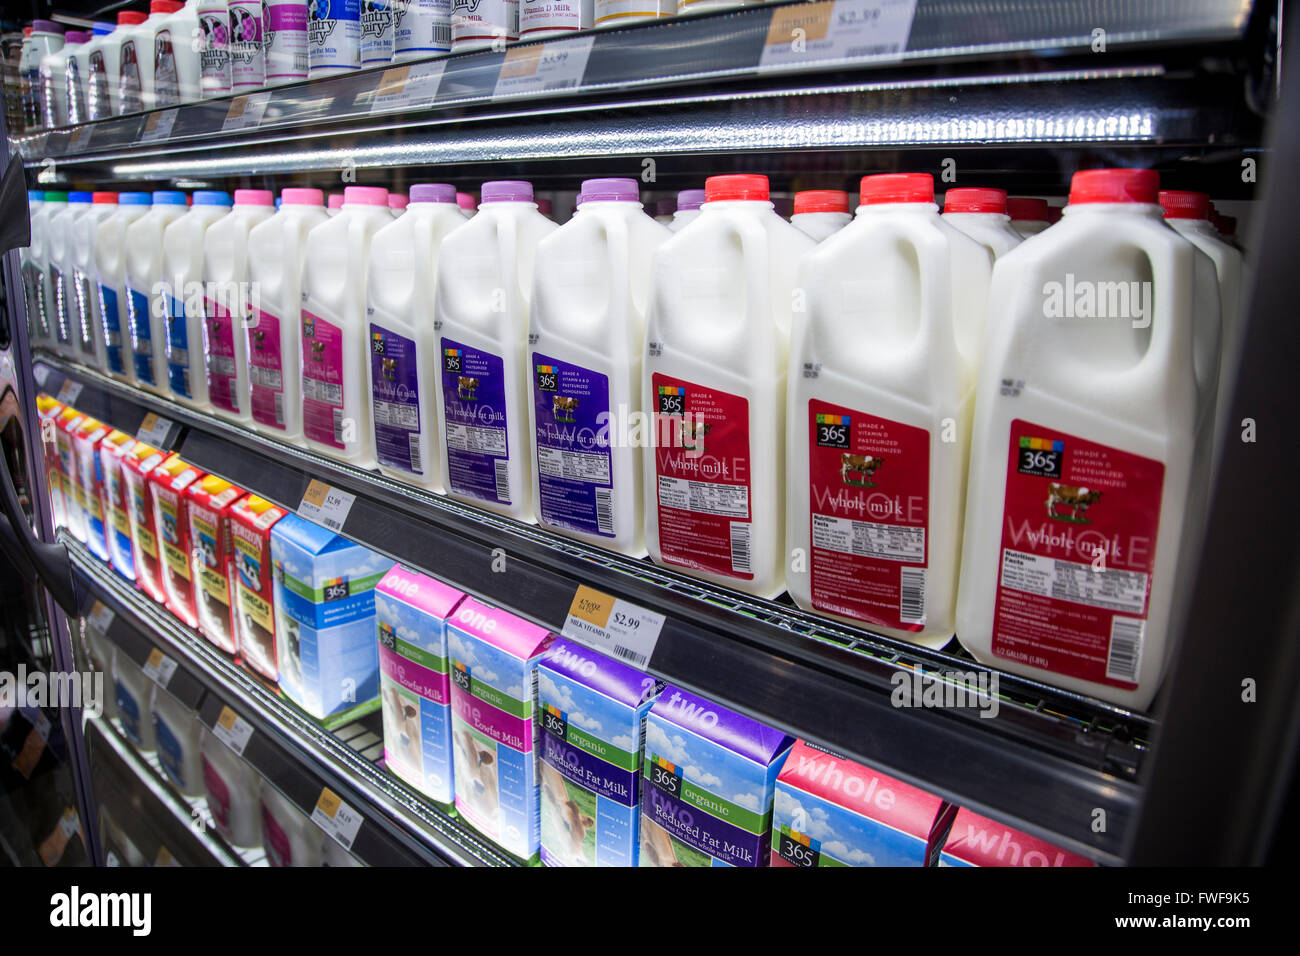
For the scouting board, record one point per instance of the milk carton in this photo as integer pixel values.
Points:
(326, 655)
(411, 610)
(110, 277)
(117, 507)
(137, 465)
(65, 430)
(49, 410)
(494, 659)
(710, 778)
(177, 729)
(978, 841)
(132, 687)
(172, 526)
(251, 520)
(592, 710)
(88, 485)
(210, 501)
(183, 273)
(831, 811)
(982, 214)
(288, 835)
(146, 304)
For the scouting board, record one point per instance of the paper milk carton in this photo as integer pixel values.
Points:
(325, 649)
(210, 501)
(710, 776)
(592, 712)
(251, 520)
(831, 811)
(88, 484)
(411, 610)
(116, 503)
(978, 841)
(49, 411)
(494, 659)
(137, 465)
(65, 427)
(172, 528)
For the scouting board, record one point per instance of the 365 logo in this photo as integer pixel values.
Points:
(672, 400)
(548, 379)
(833, 431)
(452, 360)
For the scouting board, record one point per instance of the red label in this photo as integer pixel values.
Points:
(279, 851)
(1078, 548)
(220, 347)
(869, 512)
(322, 381)
(266, 369)
(218, 798)
(701, 451)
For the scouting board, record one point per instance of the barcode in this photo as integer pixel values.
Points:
(911, 595)
(872, 49)
(604, 510)
(502, 466)
(636, 657)
(442, 34)
(1125, 657)
(740, 546)
(413, 445)
(338, 426)
(278, 400)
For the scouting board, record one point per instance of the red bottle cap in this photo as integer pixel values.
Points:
(897, 187)
(1115, 185)
(975, 199)
(821, 200)
(1027, 210)
(129, 18)
(739, 186)
(104, 197)
(1184, 204)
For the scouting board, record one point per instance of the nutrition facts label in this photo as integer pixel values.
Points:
(316, 390)
(397, 416)
(867, 539)
(574, 465)
(704, 497)
(1111, 589)
(476, 438)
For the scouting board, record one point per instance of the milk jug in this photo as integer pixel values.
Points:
(335, 402)
(131, 689)
(539, 19)
(1089, 458)
(717, 335)
(289, 835)
(423, 27)
(232, 787)
(59, 251)
(247, 45)
(333, 37)
(136, 89)
(99, 98)
(485, 278)
(820, 213)
(477, 24)
(402, 369)
(29, 72)
(215, 44)
(982, 215)
(1028, 216)
(272, 339)
(110, 276)
(183, 273)
(620, 13)
(88, 335)
(467, 203)
(689, 202)
(177, 42)
(46, 39)
(882, 379)
(33, 271)
(397, 203)
(176, 730)
(76, 62)
(127, 21)
(146, 303)
(54, 81)
(378, 20)
(586, 335)
(226, 297)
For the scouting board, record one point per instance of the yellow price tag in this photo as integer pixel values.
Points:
(316, 493)
(592, 606)
(328, 803)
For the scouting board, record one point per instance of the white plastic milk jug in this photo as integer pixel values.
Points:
(288, 834)
(59, 250)
(89, 327)
(176, 730)
(146, 304)
(233, 791)
(689, 202)
(110, 275)
(820, 213)
(183, 273)
(1028, 216)
(982, 215)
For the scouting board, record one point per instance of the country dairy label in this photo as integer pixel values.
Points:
(869, 485)
(76, 93)
(128, 88)
(378, 20)
(1079, 532)
(98, 104)
(574, 462)
(477, 20)
(214, 51)
(247, 52)
(285, 41)
(178, 348)
(702, 476)
(266, 369)
(474, 398)
(423, 26)
(137, 320)
(322, 381)
(166, 78)
(219, 355)
(112, 325)
(548, 15)
(395, 393)
(334, 34)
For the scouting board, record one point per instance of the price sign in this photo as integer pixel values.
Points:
(325, 505)
(154, 429)
(544, 67)
(99, 619)
(246, 111)
(158, 125)
(613, 626)
(159, 667)
(232, 730)
(336, 818)
(804, 35)
(404, 87)
(80, 138)
(69, 392)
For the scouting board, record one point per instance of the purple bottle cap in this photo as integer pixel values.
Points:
(46, 26)
(690, 199)
(433, 192)
(507, 190)
(76, 36)
(610, 190)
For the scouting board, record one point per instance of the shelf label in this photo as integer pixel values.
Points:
(100, 619)
(613, 626)
(245, 111)
(232, 730)
(154, 429)
(165, 858)
(69, 392)
(325, 505)
(159, 668)
(41, 373)
(403, 87)
(80, 138)
(805, 34)
(543, 67)
(336, 818)
(158, 125)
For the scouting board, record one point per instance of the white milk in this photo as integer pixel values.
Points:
(58, 250)
(378, 23)
(76, 65)
(717, 335)
(35, 275)
(110, 277)
(402, 367)
(982, 215)
(485, 279)
(227, 294)
(882, 379)
(289, 836)
(89, 325)
(1028, 216)
(177, 40)
(215, 36)
(539, 19)
(29, 74)
(176, 730)
(272, 344)
(820, 213)
(689, 202)
(233, 790)
(586, 335)
(620, 13)
(478, 24)
(136, 90)
(1093, 418)
(146, 306)
(46, 39)
(183, 273)
(423, 27)
(99, 89)
(335, 403)
(54, 83)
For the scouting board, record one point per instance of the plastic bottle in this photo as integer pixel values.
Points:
(689, 202)
(882, 382)
(215, 48)
(275, 266)
(467, 203)
(76, 67)
(1093, 417)
(335, 403)
(335, 204)
(146, 306)
(99, 97)
(478, 24)
(621, 13)
(55, 203)
(233, 791)
(717, 334)
(177, 42)
(110, 274)
(29, 72)
(982, 214)
(131, 690)
(539, 19)
(127, 21)
(101, 652)
(485, 279)
(378, 23)
(397, 203)
(88, 335)
(60, 256)
(820, 213)
(32, 269)
(48, 38)
(176, 730)
(136, 83)
(1028, 216)
(333, 37)
(284, 26)
(586, 334)
(423, 27)
(183, 272)
(402, 370)
(288, 834)
(247, 47)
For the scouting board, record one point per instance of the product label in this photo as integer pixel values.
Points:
(574, 462)
(112, 325)
(219, 350)
(84, 299)
(137, 320)
(98, 104)
(34, 288)
(266, 369)
(279, 851)
(702, 476)
(538, 15)
(474, 395)
(1078, 549)
(59, 286)
(174, 552)
(247, 55)
(702, 820)
(484, 20)
(128, 87)
(214, 53)
(869, 486)
(128, 710)
(166, 78)
(377, 24)
(178, 348)
(322, 381)
(76, 95)
(218, 797)
(396, 397)
(169, 752)
(256, 616)
(285, 30)
(334, 34)
(423, 26)
(144, 536)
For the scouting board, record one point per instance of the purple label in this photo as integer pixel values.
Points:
(266, 369)
(322, 380)
(247, 57)
(396, 395)
(219, 347)
(474, 394)
(706, 833)
(589, 771)
(214, 56)
(726, 728)
(285, 40)
(573, 457)
(606, 676)
(414, 677)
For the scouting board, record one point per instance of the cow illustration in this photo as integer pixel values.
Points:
(657, 846)
(563, 407)
(208, 549)
(402, 720)
(318, 351)
(863, 465)
(169, 528)
(259, 336)
(692, 434)
(388, 367)
(467, 388)
(476, 775)
(250, 572)
(1077, 499)
(570, 823)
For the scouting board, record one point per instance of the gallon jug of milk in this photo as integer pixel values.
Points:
(275, 259)
(76, 63)
(89, 327)
(982, 215)
(146, 301)
(882, 380)
(131, 689)
(31, 265)
(485, 279)
(288, 834)
(183, 273)
(138, 51)
(232, 787)
(717, 336)
(820, 213)
(42, 227)
(1028, 216)
(335, 403)
(110, 275)
(1089, 453)
(58, 239)
(176, 729)
(689, 202)
(177, 41)
(586, 335)
(402, 369)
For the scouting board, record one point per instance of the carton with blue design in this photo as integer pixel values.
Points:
(710, 776)
(592, 712)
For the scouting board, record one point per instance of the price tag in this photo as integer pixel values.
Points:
(159, 667)
(246, 111)
(154, 429)
(158, 125)
(325, 505)
(813, 33)
(80, 138)
(558, 65)
(232, 730)
(41, 373)
(69, 392)
(613, 626)
(336, 818)
(100, 618)
(403, 87)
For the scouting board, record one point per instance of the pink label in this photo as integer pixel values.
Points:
(266, 369)
(513, 732)
(983, 842)
(219, 346)
(420, 591)
(413, 677)
(279, 852)
(322, 381)
(218, 797)
(501, 629)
